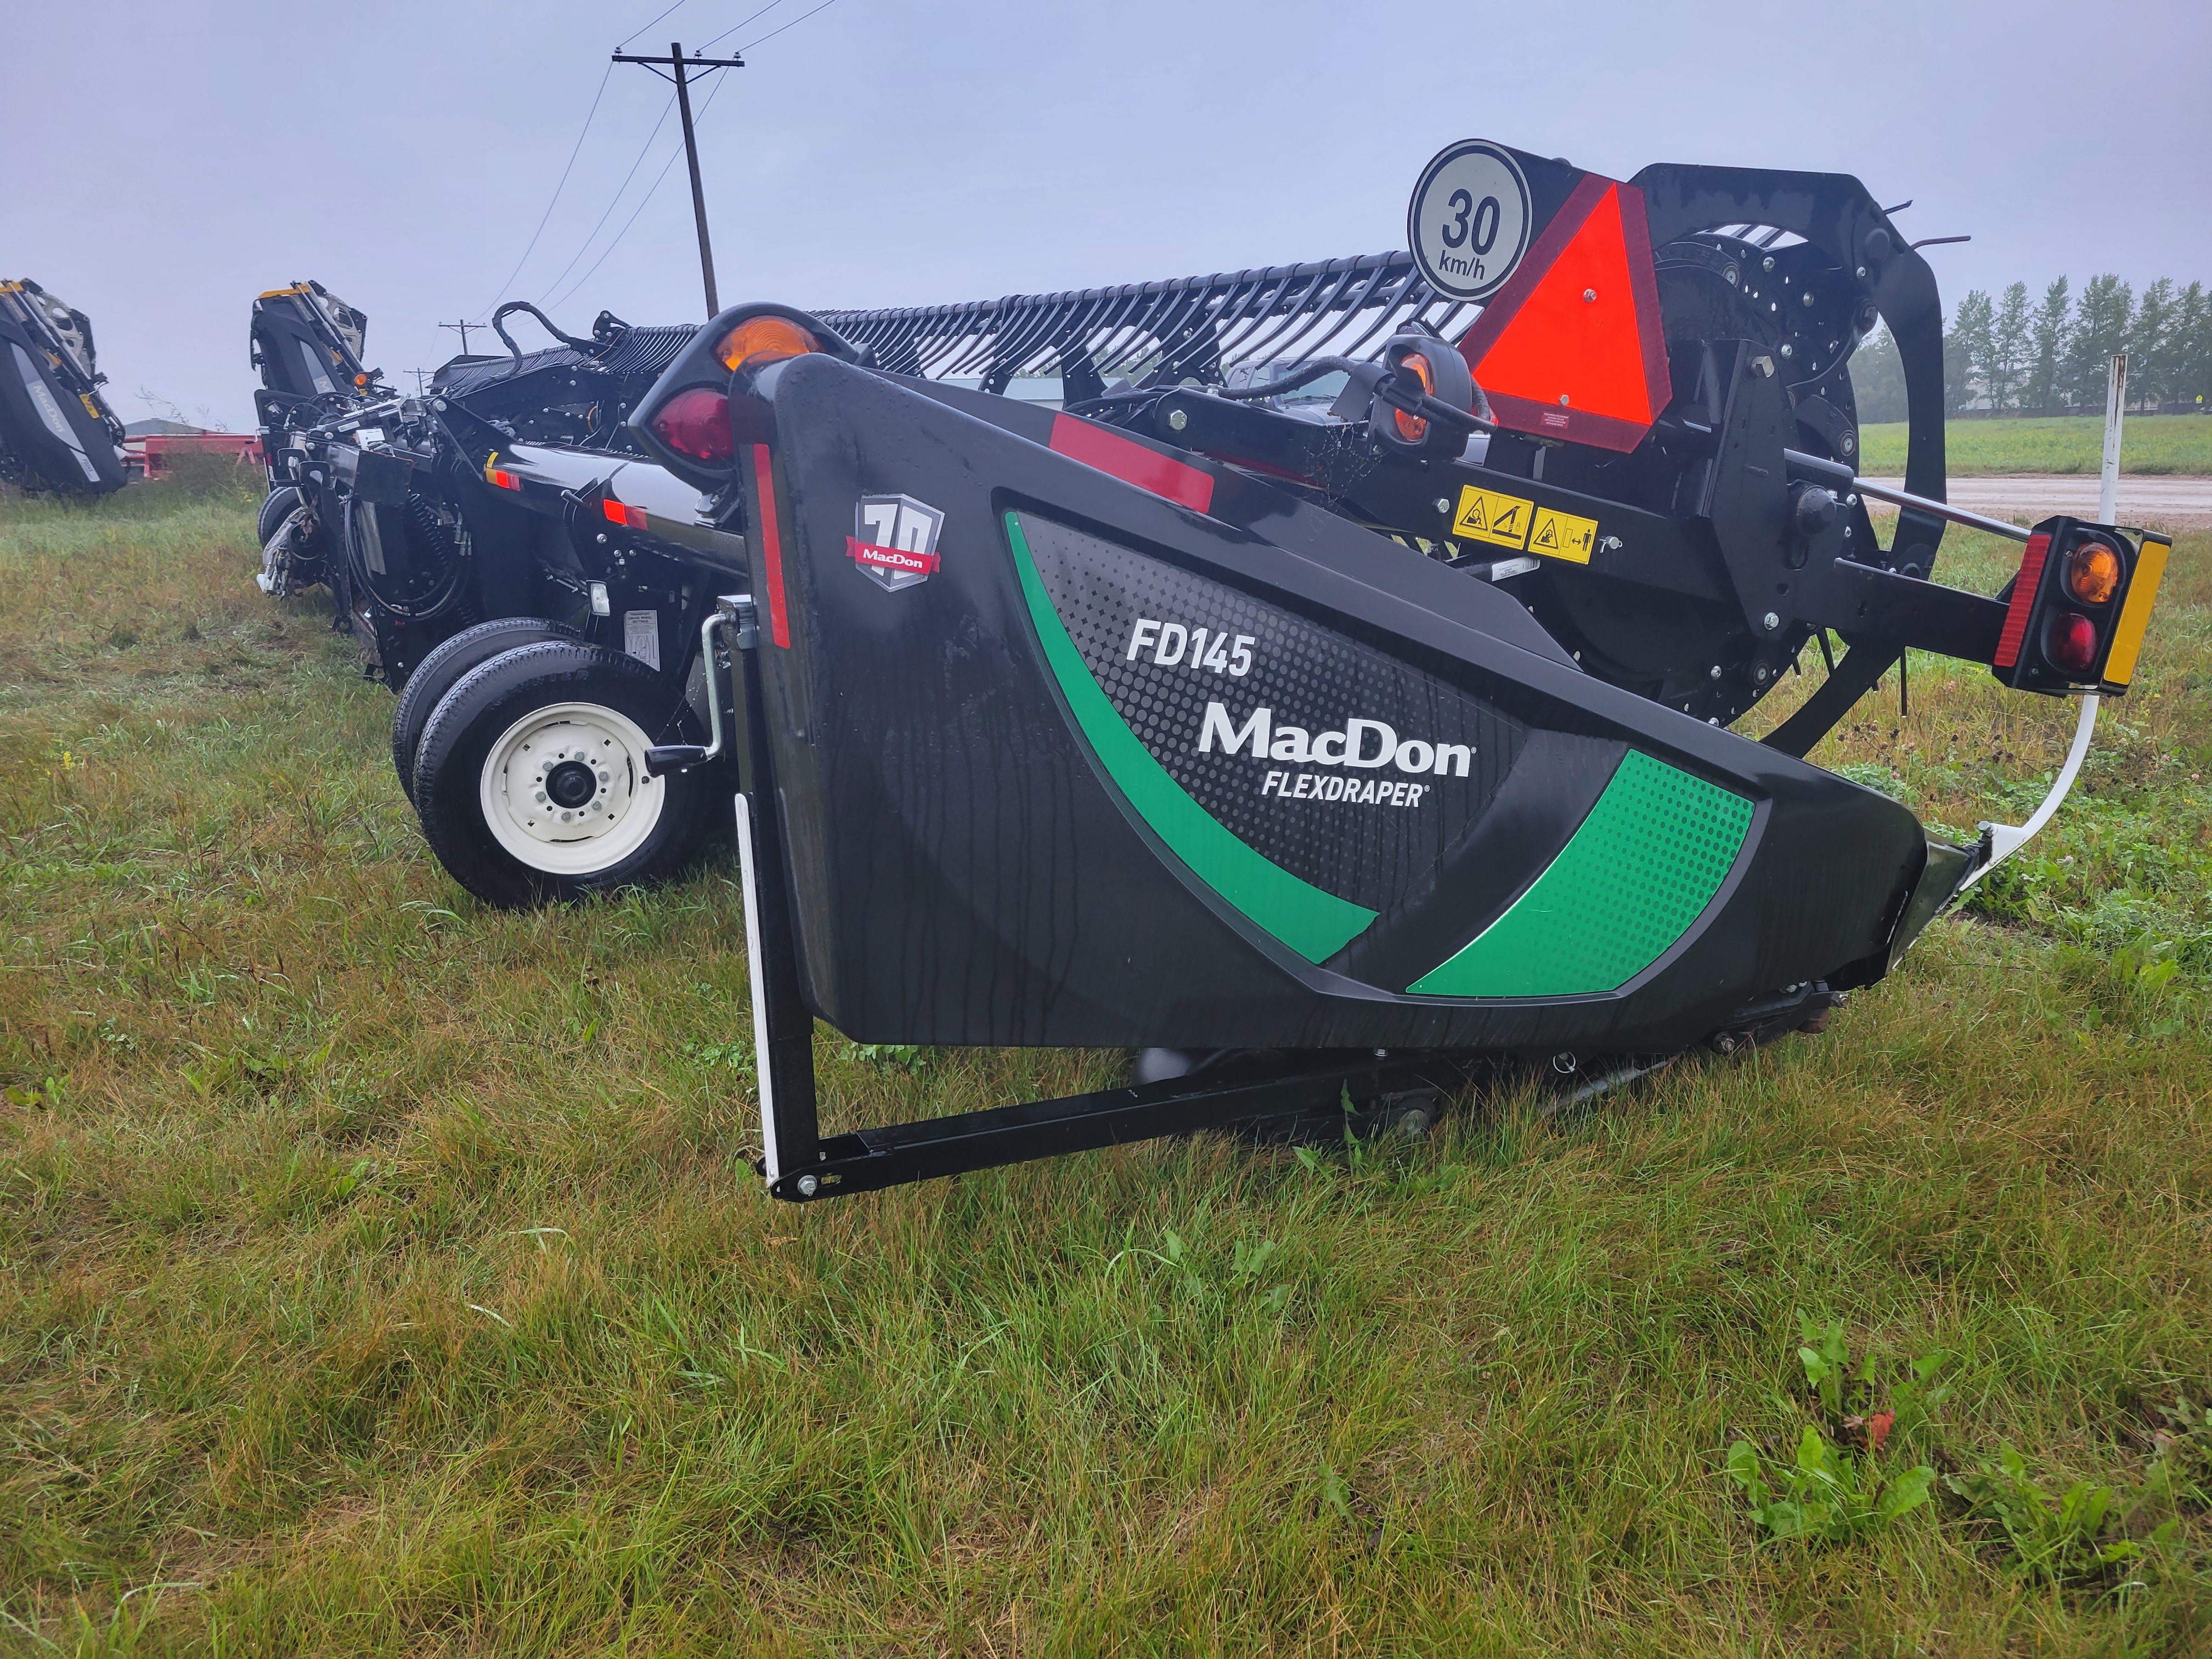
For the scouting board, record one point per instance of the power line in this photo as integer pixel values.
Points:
(712, 94)
(658, 178)
(615, 200)
(734, 28)
(792, 24)
(547, 216)
(641, 28)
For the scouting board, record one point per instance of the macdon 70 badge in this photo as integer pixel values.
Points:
(895, 541)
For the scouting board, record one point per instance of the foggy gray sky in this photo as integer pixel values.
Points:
(170, 161)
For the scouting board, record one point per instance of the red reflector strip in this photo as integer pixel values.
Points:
(771, 543)
(630, 518)
(1132, 463)
(890, 558)
(2023, 600)
(505, 480)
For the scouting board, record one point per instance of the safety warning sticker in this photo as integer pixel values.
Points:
(1562, 536)
(1489, 517)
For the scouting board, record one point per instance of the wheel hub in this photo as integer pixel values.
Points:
(565, 789)
(570, 784)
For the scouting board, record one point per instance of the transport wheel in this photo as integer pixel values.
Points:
(531, 777)
(444, 668)
(274, 511)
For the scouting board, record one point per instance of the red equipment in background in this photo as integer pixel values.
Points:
(152, 456)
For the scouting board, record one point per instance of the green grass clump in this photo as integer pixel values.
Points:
(2061, 443)
(379, 1272)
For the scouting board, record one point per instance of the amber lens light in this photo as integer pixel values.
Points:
(2070, 641)
(2093, 572)
(1412, 428)
(697, 423)
(764, 337)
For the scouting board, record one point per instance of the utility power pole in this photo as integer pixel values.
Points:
(464, 328)
(676, 64)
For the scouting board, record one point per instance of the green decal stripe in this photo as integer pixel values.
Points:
(1314, 924)
(1632, 881)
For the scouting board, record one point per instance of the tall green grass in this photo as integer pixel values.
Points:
(382, 1274)
(2067, 443)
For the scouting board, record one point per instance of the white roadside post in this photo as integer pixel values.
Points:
(2006, 839)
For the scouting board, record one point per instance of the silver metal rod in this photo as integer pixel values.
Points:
(708, 631)
(1941, 510)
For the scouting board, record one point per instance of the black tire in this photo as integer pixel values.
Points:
(444, 668)
(592, 710)
(274, 511)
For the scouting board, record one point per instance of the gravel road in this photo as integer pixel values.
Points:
(2164, 502)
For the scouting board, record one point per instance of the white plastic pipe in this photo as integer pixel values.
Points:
(2006, 839)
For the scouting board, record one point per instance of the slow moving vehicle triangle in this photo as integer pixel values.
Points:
(1572, 347)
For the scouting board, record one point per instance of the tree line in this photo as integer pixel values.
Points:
(2050, 356)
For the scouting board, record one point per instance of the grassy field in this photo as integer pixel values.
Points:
(2072, 443)
(379, 1273)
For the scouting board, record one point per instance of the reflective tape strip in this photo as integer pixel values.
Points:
(2134, 615)
(2023, 600)
(756, 971)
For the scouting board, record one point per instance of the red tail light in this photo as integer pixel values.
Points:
(2070, 639)
(697, 423)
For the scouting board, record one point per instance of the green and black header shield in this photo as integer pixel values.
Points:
(1131, 749)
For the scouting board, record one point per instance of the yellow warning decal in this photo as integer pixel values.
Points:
(1563, 536)
(1489, 517)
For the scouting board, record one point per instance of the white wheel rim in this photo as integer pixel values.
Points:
(576, 837)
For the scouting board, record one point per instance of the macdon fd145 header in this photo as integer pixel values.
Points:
(1331, 695)
(58, 435)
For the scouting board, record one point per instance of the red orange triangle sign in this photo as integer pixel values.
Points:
(1571, 347)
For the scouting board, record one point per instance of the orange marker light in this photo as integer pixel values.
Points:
(764, 337)
(1412, 428)
(2093, 572)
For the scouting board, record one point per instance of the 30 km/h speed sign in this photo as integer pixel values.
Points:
(1468, 223)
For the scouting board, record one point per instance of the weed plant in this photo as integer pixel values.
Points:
(381, 1273)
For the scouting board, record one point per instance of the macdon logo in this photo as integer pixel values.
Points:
(1366, 743)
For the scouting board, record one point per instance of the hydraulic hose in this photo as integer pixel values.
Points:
(499, 327)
